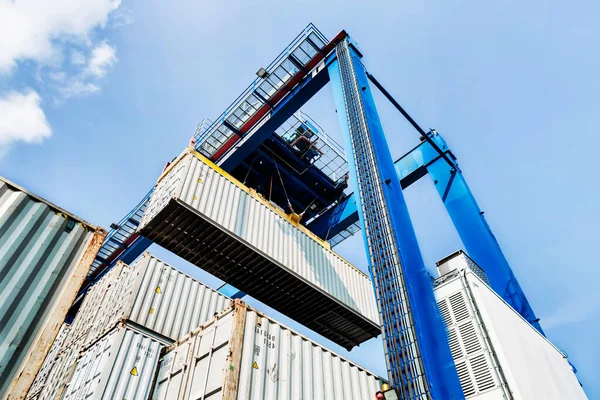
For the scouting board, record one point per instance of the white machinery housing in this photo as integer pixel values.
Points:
(498, 355)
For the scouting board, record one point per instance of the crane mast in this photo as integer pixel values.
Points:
(418, 357)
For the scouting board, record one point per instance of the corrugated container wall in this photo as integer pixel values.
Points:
(215, 222)
(243, 354)
(49, 362)
(120, 365)
(153, 294)
(149, 293)
(45, 254)
(498, 354)
(59, 374)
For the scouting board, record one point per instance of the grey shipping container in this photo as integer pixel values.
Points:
(153, 294)
(119, 365)
(45, 253)
(243, 354)
(212, 220)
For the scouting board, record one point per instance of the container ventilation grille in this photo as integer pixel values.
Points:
(459, 307)
(469, 337)
(470, 355)
(483, 375)
(445, 313)
(455, 348)
(464, 376)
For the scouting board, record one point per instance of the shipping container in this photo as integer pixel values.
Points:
(498, 354)
(59, 374)
(212, 220)
(150, 293)
(49, 362)
(243, 354)
(84, 319)
(119, 365)
(45, 253)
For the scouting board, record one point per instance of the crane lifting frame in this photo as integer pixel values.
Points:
(419, 361)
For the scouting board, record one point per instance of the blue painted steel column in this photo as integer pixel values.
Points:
(418, 357)
(477, 237)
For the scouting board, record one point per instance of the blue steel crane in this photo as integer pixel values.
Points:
(248, 141)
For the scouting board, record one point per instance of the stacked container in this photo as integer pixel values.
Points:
(133, 309)
(45, 254)
(49, 361)
(243, 354)
(154, 295)
(206, 216)
(120, 365)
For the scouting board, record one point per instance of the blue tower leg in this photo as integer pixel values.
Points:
(420, 365)
(477, 237)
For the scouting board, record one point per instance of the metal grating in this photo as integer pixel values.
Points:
(330, 156)
(400, 339)
(119, 238)
(261, 91)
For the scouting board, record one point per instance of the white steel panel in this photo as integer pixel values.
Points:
(49, 362)
(60, 373)
(498, 355)
(275, 363)
(227, 203)
(533, 367)
(152, 294)
(120, 365)
(45, 253)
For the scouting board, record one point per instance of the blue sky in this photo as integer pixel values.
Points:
(95, 98)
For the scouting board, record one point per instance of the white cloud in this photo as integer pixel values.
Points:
(22, 119)
(78, 88)
(31, 29)
(103, 57)
(121, 17)
(77, 58)
(45, 32)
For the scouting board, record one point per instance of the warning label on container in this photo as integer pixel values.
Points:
(134, 371)
(255, 365)
(158, 290)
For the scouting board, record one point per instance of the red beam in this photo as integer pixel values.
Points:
(280, 94)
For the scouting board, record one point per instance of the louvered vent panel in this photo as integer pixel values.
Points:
(443, 306)
(482, 372)
(468, 350)
(454, 344)
(459, 307)
(465, 378)
(469, 337)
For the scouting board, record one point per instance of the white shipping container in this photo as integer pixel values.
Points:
(243, 354)
(49, 362)
(498, 354)
(45, 254)
(120, 365)
(59, 373)
(153, 294)
(88, 310)
(209, 218)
